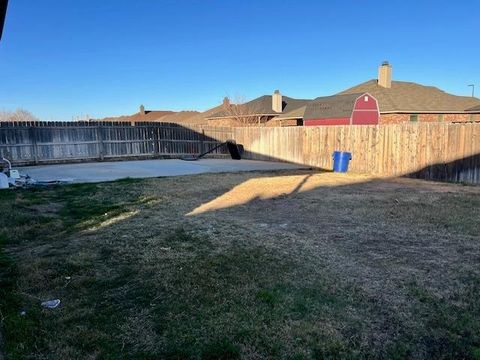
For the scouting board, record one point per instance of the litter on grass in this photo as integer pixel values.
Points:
(11, 178)
(51, 304)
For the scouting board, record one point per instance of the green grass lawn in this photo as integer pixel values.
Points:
(288, 265)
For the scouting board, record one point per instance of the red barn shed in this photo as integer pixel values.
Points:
(347, 109)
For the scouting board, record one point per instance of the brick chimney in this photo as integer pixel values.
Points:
(226, 101)
(142, 110)
(277, 104)
(385, 75)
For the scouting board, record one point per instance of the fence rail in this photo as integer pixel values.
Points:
(47, 142)
(440, 151)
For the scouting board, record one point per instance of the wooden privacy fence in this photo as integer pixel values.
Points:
(40, 142)
(439, 151)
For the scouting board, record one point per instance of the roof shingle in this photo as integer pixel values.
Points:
(263, 106)
(474, 109)
(411, 97)
(336, 106)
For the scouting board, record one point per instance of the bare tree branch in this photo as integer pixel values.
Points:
(17, 115)
(240, 111)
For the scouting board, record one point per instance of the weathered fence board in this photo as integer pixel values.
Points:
(41, 142)
(436, 151)
(440, 151)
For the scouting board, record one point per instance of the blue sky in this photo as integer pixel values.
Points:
(65, 58)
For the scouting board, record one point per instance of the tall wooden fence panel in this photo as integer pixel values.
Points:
(42, 142)
(440, 151)
(437, 151)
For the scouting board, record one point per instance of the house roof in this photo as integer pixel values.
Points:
(294, 114)
(335, 106)
(200, 118)
(262, 106)
(157, 116)
(411, 97)
(178, 117)
(474, 109)
(149, 116)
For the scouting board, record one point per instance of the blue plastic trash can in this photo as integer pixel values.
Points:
(341, 160)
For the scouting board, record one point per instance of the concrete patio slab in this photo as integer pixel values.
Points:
(114, 170)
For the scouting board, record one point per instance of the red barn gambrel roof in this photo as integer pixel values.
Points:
(335, 106)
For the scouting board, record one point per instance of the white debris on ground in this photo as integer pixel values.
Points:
(50, 304)
(12, 178)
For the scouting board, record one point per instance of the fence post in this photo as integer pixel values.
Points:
(202, 146)
(33, 139)
(156, 140)
(101, 148)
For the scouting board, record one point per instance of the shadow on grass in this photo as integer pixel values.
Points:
(174, 287)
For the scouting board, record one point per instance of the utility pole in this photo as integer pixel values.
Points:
(473, 89)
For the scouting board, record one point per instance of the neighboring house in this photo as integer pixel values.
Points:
(475, 109)
(290, 118)
(348, 109)
(377, 101)
(255, 112)
(397, 102)
(401, 101)
(180, 117)
(156, 116)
